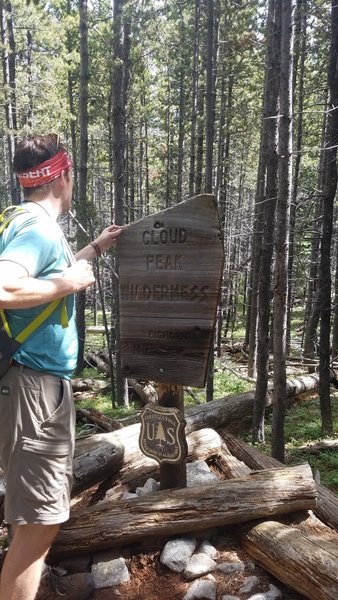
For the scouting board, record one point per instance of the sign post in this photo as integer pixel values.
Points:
(170, 270)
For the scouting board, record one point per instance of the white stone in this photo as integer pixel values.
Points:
(201, 589)
(109, 571)
(199, 564)
(177, 553)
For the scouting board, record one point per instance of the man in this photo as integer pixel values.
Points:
(37, 422)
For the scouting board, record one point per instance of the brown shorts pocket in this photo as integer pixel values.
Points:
(44, 467)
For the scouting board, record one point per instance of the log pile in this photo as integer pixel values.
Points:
(296, 547)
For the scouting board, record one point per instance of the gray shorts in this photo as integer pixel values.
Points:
(37, 430)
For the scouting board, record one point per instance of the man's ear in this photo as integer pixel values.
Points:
(64, 178)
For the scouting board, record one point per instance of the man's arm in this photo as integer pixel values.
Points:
(104, 241)
(17, 290)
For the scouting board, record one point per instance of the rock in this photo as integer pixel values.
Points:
(177, 553)
(108, 570)
(249, 584)
(198, 473)
(227, 597)
(272, 594)
(128, 496)
(151, 486)
(199, 564)
(202, 589)
(230, 567)
(208, 549)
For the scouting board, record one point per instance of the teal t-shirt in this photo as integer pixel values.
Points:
(36, 242)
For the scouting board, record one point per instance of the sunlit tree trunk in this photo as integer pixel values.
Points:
(118, 119)
(282, 231)
(9, 80)
(269, 208)
(81, 203)
(325, 256)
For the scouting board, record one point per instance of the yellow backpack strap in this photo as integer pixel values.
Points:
(8, 215)
(31, 327)
(64, 314)
(5, 323)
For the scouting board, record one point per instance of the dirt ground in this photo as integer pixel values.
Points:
(152, 581)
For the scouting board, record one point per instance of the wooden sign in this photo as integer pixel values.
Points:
(162, 434)
(170, 270)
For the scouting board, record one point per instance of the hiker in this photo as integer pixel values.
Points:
(37, 415)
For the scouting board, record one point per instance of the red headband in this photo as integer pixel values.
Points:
(46, 171)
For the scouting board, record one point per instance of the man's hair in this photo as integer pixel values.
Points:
(33, 151)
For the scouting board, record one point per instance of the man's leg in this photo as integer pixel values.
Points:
(21, 572)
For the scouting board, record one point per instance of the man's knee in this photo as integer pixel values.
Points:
(36, 538)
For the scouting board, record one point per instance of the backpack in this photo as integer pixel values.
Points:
(8, 344)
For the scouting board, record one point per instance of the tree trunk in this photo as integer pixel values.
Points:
(81, 204)
(252, 313)
(299, 54)
(282, 230)
(330, 188)
(264, 283)
(194, 75)
(118, 119)
(312, 306)
(209, 145)
(176, 512)
(335, 313)
(9, 80)
(306, 564)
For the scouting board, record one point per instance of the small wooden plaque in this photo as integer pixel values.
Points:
(170, 271)
(162, 434)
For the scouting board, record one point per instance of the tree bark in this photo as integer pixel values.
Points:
(118, 118)
(307, 564)
(175, 512)
(264, 282)
(9, 80)
(330, 188)
(282, 230)
(81, 201)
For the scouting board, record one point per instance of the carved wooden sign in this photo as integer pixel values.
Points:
(170, 270)
(162, 434)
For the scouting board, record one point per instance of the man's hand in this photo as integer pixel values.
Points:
(80, 274)
(108, 237)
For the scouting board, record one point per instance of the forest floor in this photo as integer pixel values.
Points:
(150, 580)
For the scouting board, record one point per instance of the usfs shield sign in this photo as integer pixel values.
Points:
(162, 434)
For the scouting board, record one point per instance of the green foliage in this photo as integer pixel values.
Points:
(226, 384)
(303, 426)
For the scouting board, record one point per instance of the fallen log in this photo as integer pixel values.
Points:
(317, 447)
(98, 419)
(219, 413)
(174, 512)
(327, 503)
(84, 385)
(308, 564)
(117, 456)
